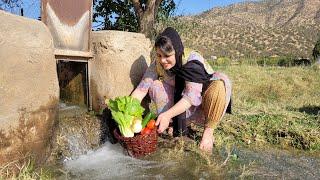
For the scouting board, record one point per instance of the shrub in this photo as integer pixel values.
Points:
(316, 50)
(222, 61)
(286, 61)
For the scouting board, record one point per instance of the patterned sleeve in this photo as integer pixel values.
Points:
(192, 93)
(149, 76)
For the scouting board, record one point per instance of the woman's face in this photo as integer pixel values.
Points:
(167, 62)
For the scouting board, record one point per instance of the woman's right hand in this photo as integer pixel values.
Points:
(163, 121)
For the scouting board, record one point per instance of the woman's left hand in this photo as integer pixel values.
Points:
(163, 121)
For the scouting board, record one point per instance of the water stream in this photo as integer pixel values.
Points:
(109, 161)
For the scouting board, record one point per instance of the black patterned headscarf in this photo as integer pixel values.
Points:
(192, 71)
(173, 35)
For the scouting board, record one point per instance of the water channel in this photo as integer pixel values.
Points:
(110, 161)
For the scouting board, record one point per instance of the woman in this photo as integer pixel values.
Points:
(178, 88)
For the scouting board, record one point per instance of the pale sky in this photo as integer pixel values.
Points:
(184, 7)
(192, 7)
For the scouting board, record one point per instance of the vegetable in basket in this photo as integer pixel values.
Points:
(148, 123)
(147, 118)
(149, 127)
(127, 112)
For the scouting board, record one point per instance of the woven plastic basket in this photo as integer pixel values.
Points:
(139, 145)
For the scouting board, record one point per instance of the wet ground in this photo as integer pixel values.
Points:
(81, 157)
(109, 162)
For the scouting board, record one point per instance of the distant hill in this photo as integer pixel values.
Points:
(254, 29)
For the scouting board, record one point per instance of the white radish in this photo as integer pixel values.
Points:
(136, 126)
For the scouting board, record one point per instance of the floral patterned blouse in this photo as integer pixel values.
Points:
(192, 91)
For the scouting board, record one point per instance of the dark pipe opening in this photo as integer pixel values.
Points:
(73, 82)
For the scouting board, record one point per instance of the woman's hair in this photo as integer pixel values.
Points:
(169, 42)
(165, 45)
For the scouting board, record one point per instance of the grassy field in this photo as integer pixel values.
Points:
(273, 106)
(274, 109)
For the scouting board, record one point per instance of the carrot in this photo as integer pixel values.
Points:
(151, 124)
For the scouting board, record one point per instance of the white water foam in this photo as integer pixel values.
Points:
(109, 162)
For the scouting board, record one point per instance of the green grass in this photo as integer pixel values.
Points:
(273, 106)
(24, 171)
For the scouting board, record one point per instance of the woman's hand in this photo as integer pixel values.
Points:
(164, 118)
(163, 121)
(207, 140)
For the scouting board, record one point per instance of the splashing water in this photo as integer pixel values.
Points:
(109, 162)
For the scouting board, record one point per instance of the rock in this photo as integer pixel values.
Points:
(120, 60)
(29, 89)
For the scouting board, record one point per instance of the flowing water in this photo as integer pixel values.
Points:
(109, 161)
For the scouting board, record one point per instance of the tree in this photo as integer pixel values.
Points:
(316, 50)
(146, 13)
(110, 14)
(131, 15)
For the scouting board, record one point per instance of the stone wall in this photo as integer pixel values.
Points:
(29, 90)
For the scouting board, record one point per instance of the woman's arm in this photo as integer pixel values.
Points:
(180, 107)
(191, 96)
(142, 89)
(163, 119)
(139, 94)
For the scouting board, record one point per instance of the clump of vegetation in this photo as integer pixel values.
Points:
(275, 61)
(284, 61)
(273, 129)
(24, 171)
(186, 153)
(221, 61)
(77, 133)
(316, 50)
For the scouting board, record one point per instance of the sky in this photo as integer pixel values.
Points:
(192, 7)
(184, 7)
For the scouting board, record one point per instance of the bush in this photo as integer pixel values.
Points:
(316, 50)
(286, 61)
(25, 170)
(222, 61)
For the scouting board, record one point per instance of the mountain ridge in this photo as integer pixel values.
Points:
(254, 29)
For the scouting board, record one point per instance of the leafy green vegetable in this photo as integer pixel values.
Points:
(124, 110)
